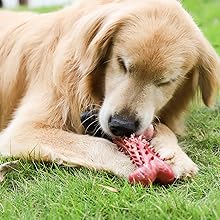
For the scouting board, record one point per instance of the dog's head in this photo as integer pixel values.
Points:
(136, 59)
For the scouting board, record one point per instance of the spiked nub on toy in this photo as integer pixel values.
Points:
(150, 167)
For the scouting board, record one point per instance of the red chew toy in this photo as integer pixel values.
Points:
(150, 168)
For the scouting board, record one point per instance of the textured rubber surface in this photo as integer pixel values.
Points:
(150, 168)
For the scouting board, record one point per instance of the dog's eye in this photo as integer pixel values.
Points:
(122, 64)
(160, 83)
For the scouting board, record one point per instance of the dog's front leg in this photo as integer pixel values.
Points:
(166, 144)
(64, 148)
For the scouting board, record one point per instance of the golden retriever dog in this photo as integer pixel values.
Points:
(133, 60)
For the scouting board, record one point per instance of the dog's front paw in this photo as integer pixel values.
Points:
(182, 165)
(171, 152)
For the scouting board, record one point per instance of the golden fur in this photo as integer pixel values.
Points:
(145, 59)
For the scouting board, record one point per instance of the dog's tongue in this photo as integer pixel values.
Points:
(148, 134)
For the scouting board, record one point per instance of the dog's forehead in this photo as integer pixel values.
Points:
(151, 59)
(158, 50)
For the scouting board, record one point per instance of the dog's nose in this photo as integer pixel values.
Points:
(122, 126)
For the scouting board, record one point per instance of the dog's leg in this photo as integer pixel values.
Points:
(64, 148)
(166, 144)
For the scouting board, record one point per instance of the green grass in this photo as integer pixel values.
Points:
(207, 16)
(40, 10)
(45, 191)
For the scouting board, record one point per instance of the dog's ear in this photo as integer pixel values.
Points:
(88, 44)
(80, 53)
(204, 74)
(208, 67)
(95, 35)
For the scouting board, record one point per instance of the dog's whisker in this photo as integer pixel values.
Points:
(90, 111)
(97, 129)
(91, 106)
(81, 124)
(90, 125)
(157, 118)
(105, 134)
(96, 105)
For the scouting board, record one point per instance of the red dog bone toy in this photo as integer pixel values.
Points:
(150, 167)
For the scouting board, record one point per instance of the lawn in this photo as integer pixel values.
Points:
(45, 191)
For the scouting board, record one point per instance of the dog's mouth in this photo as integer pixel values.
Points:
(90, 122)
(149, 132)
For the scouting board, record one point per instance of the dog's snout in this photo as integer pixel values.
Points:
(122, 126)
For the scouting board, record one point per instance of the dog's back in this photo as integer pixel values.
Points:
(9, 19)
(28, 41)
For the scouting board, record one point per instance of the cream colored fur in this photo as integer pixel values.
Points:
(53, 66)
